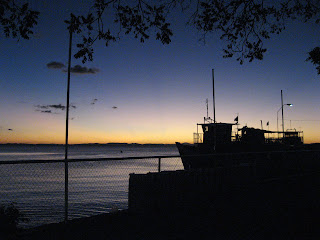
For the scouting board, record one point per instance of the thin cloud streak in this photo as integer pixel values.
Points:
(77, 69)
(83, 70)
(49, 108)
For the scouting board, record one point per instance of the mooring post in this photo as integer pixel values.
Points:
(159, 164)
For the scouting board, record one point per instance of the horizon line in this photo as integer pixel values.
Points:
(110, 143)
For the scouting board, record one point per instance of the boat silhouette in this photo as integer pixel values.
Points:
(220, 145)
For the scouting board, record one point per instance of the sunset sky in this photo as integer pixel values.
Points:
(148, 92)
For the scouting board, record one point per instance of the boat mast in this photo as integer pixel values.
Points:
(207, 103)
(214, 114)
(214, 103)
(282, 114)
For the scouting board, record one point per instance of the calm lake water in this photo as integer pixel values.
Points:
(94, 187)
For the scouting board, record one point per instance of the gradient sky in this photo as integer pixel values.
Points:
(159, 91)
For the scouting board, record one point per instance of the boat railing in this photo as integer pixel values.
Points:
(269, 138)
(273, 140)
(284, 140)
(235, 137)
(197, 138)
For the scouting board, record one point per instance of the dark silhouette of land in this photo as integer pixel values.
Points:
(90, 144)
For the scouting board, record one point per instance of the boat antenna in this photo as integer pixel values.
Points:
(207, 103)
(282, 114)
(214, 103)
(237, 124)
(214, 114)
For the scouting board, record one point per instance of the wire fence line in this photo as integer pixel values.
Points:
(100, 185)
(9, 162)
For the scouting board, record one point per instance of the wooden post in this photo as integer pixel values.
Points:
(159, 164)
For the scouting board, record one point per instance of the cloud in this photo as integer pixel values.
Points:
(42, 106)
(83, 70)
(49, 108)
(76, 69)
(94, 101)
(57, 106)
(55, 65)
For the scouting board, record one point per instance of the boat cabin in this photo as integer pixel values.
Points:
(252, 135)
(221, 133)
(215, 133)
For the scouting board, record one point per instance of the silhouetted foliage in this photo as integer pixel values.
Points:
(17, 20)
(314, 57)
(243, 25)
(138, 18)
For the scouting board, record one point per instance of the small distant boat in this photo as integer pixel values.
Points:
(220, 145)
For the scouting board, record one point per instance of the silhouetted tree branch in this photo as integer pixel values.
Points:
(17, 20)
(138, 18)
(314, 57)
(243, 25)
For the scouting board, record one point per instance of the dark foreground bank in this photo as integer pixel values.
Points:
(124, 226)
(286, 208)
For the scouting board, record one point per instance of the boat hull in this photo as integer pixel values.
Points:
(268, 158)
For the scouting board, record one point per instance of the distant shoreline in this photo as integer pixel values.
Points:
(89, 144)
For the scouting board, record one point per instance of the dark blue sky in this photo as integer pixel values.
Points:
(159, 90)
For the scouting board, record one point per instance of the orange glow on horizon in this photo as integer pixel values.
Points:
(83, 137)
(168, 129)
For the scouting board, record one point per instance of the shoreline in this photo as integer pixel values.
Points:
(90, 144)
